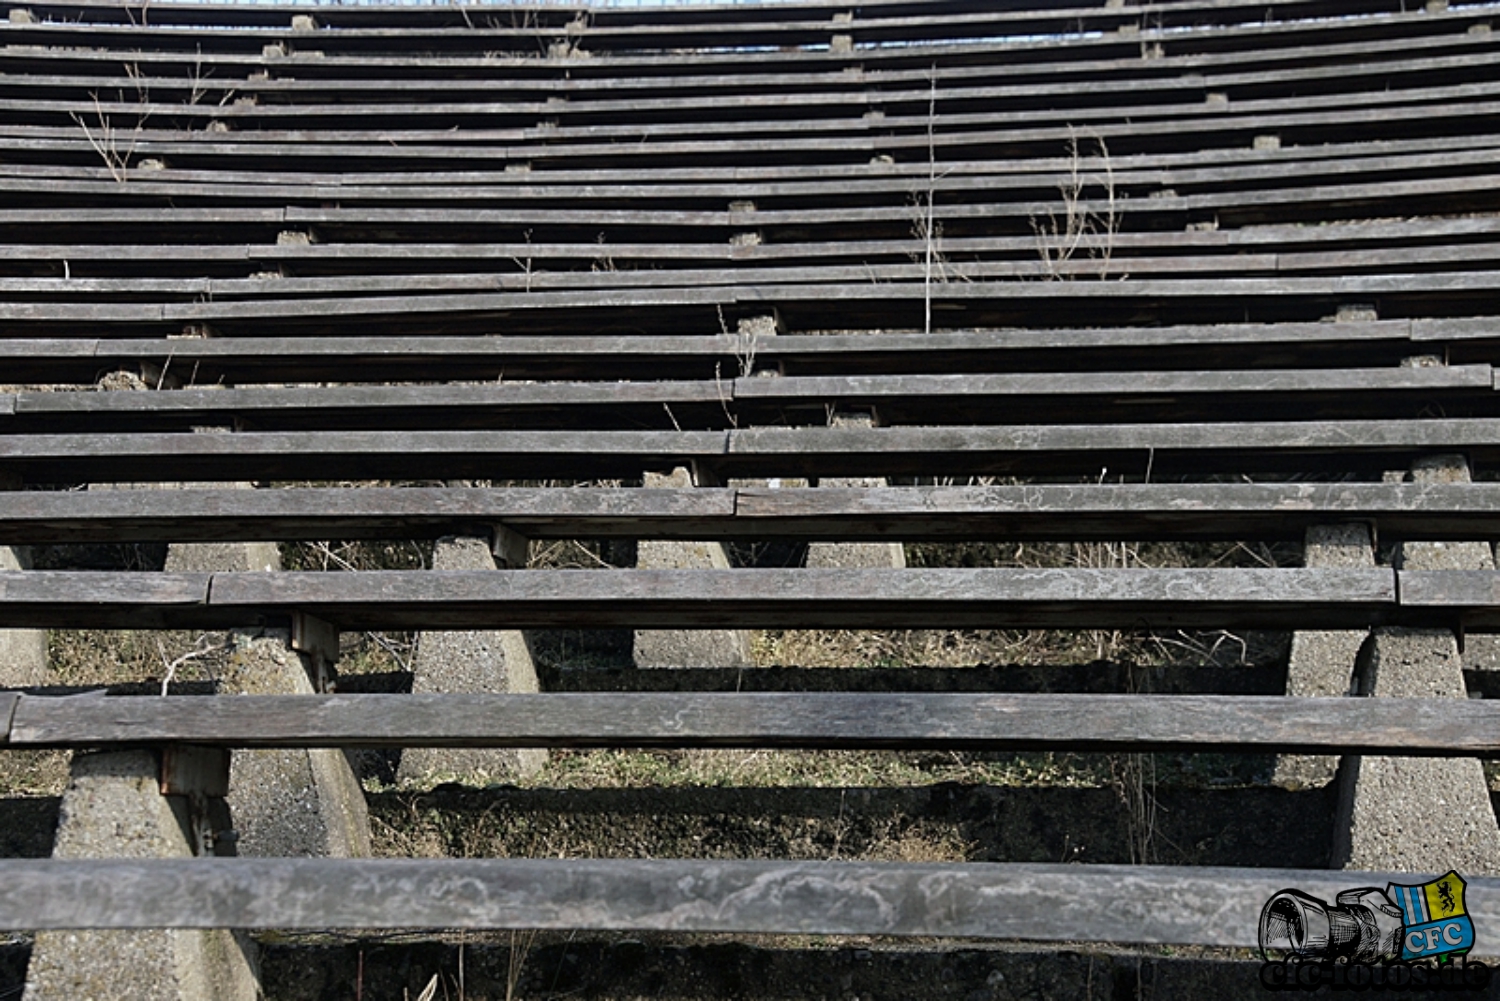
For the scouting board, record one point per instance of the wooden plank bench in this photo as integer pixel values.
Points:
(823, 598)
(1019, 902)
(1127, 450)
(1078, 723)
(1096, 512)
(1259, 309)
(346, 359)
(792, 400)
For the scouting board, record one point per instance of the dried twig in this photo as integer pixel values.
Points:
(198, 651)
(1080, 226)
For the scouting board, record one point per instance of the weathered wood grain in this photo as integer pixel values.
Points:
(250, 359)
(1081, 723)
(1208, 906)
(1128, 449)
(683, 25)
(20, 317)
(723, 183)
(687, 599)
(372, 512)
(1473, 595)
(609, 34)
(129, 600)
(1039, 397)
(1220, 511)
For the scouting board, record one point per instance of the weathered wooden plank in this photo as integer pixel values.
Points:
(372, 399)
(792, 598)
(730, 181)
(772, 120)
(515, 279)
(686, 599)
(832, 296)
(1078, 723)
(768, 597)
(1129, 904)
(647, 95)
(1217, 253)
(813, 305)
(1266, 238)
(609, 35)
(1202, 125)
(149, 600)
(1270, 511)
(1041, 397)
(405, 358)
(736, 267)
(1105, 511)
(384, 513)
(1129, 449)
(1113, 383)
(671, 26)
(687, 18)
(756, 113)
(1473, 594)
(1109, 57)
(389, 15)
(150, 456)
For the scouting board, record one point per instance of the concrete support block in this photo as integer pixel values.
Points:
(113, 808)
(1480, 652)
(1414, 814)
(855, 555)
(222, 557)
(496, 661)
(1444, 555)
(1322, 662)
(686, 647)
(23, 652)
(303, 802)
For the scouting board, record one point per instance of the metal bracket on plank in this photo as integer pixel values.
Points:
(200, 775)
(509, 547)
(319, 640)
(704, 475)
(191, 770)
(8, 702)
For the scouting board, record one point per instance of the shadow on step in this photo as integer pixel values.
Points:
(595, 969)
(944, 822)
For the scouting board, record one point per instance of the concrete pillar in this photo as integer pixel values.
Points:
(1414, 814)
(221, 557)
(855, 555)
(1322, 661)
(297, 802)
(301, 802)
(114, 808)
(476, 661)
(23, 652)
(1481, 652)
(686, 647)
